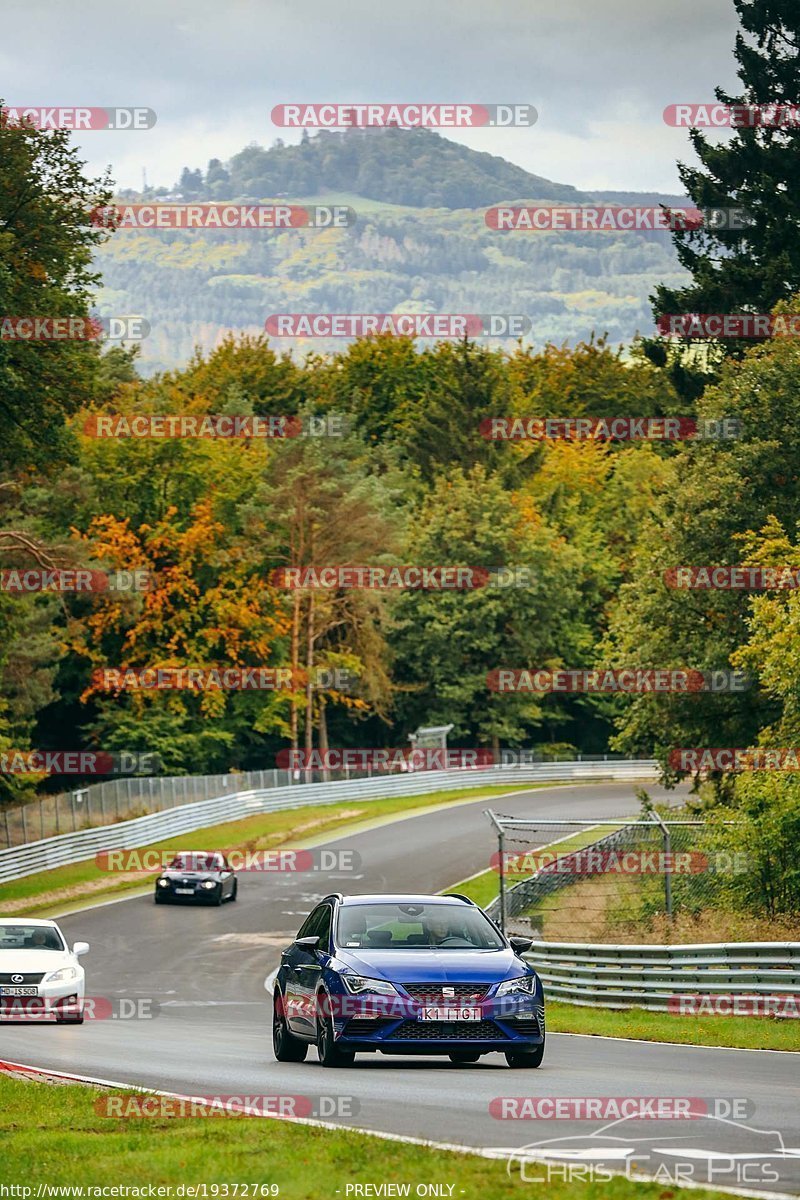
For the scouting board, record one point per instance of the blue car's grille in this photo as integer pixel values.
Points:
(365, 1026)
(432, 992)
(529, 1027)
(436, 1031)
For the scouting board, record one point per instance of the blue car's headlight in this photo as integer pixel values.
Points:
(526, 984)
(360, 985)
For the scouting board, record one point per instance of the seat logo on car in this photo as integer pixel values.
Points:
(448, 991)
(17, 978)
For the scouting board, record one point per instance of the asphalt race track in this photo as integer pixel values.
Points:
(205, 968)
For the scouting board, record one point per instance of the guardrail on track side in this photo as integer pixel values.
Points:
(651, 976)
(61, 850)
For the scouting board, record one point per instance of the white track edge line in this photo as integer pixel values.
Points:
(609, 1037)
(494, 1153)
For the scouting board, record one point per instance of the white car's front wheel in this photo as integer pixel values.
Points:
(69, 1018)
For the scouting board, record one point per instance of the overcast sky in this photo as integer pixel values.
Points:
(600, 73)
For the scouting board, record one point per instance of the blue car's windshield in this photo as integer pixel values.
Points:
(412, 926)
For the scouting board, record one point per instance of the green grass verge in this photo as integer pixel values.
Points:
(64, 886)
(751, 1033)
(54, 1135)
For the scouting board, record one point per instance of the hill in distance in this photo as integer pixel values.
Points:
(411, 167)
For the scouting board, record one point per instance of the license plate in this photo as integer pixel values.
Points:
(184, 891)
(450, 1014)
(19, 991)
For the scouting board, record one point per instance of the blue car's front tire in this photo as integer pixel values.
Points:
(525, 1058)
(329, 1053)
(285, 1046)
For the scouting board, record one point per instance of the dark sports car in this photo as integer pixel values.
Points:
(202, 875)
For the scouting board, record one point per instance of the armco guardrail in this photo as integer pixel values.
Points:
(142, 831)
(122, 798)
(652, 976)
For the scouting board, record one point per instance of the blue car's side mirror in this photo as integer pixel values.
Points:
(307, 943)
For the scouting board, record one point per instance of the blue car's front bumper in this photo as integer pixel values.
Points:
(511, 1023)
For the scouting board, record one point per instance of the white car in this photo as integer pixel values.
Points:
(39, 974)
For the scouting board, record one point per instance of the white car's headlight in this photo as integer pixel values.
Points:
(62, 976)
(208, 883)
(525, 984)
(358, 985)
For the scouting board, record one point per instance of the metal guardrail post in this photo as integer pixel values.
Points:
(667, 863)
(501, 842)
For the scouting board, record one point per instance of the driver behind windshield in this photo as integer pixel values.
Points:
(440, 929)
(44, 939)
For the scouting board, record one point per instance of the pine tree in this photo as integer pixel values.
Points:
(758, 170)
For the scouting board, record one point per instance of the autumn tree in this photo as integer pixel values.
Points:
(321, 504)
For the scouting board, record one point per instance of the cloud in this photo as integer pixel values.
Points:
(599, 74)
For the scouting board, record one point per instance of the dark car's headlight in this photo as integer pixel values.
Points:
(359, 985)
(163, 883)
(208, 883)
(523, 984)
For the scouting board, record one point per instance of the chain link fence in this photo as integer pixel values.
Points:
(121, 799)
(615, 881)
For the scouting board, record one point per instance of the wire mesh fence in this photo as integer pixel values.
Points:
(120, 799)
(618, 880)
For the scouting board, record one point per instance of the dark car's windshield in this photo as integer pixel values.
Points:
(21, 936)
(414, 926)
(196, 861)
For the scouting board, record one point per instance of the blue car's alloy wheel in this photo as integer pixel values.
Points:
(286, 1047)
(329, 1053)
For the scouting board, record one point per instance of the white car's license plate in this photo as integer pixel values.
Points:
(450, 1014)
(184, 891)
(19, 991)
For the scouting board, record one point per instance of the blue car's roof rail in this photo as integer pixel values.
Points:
(460, 896)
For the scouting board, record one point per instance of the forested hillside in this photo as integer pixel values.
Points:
(419, 244)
